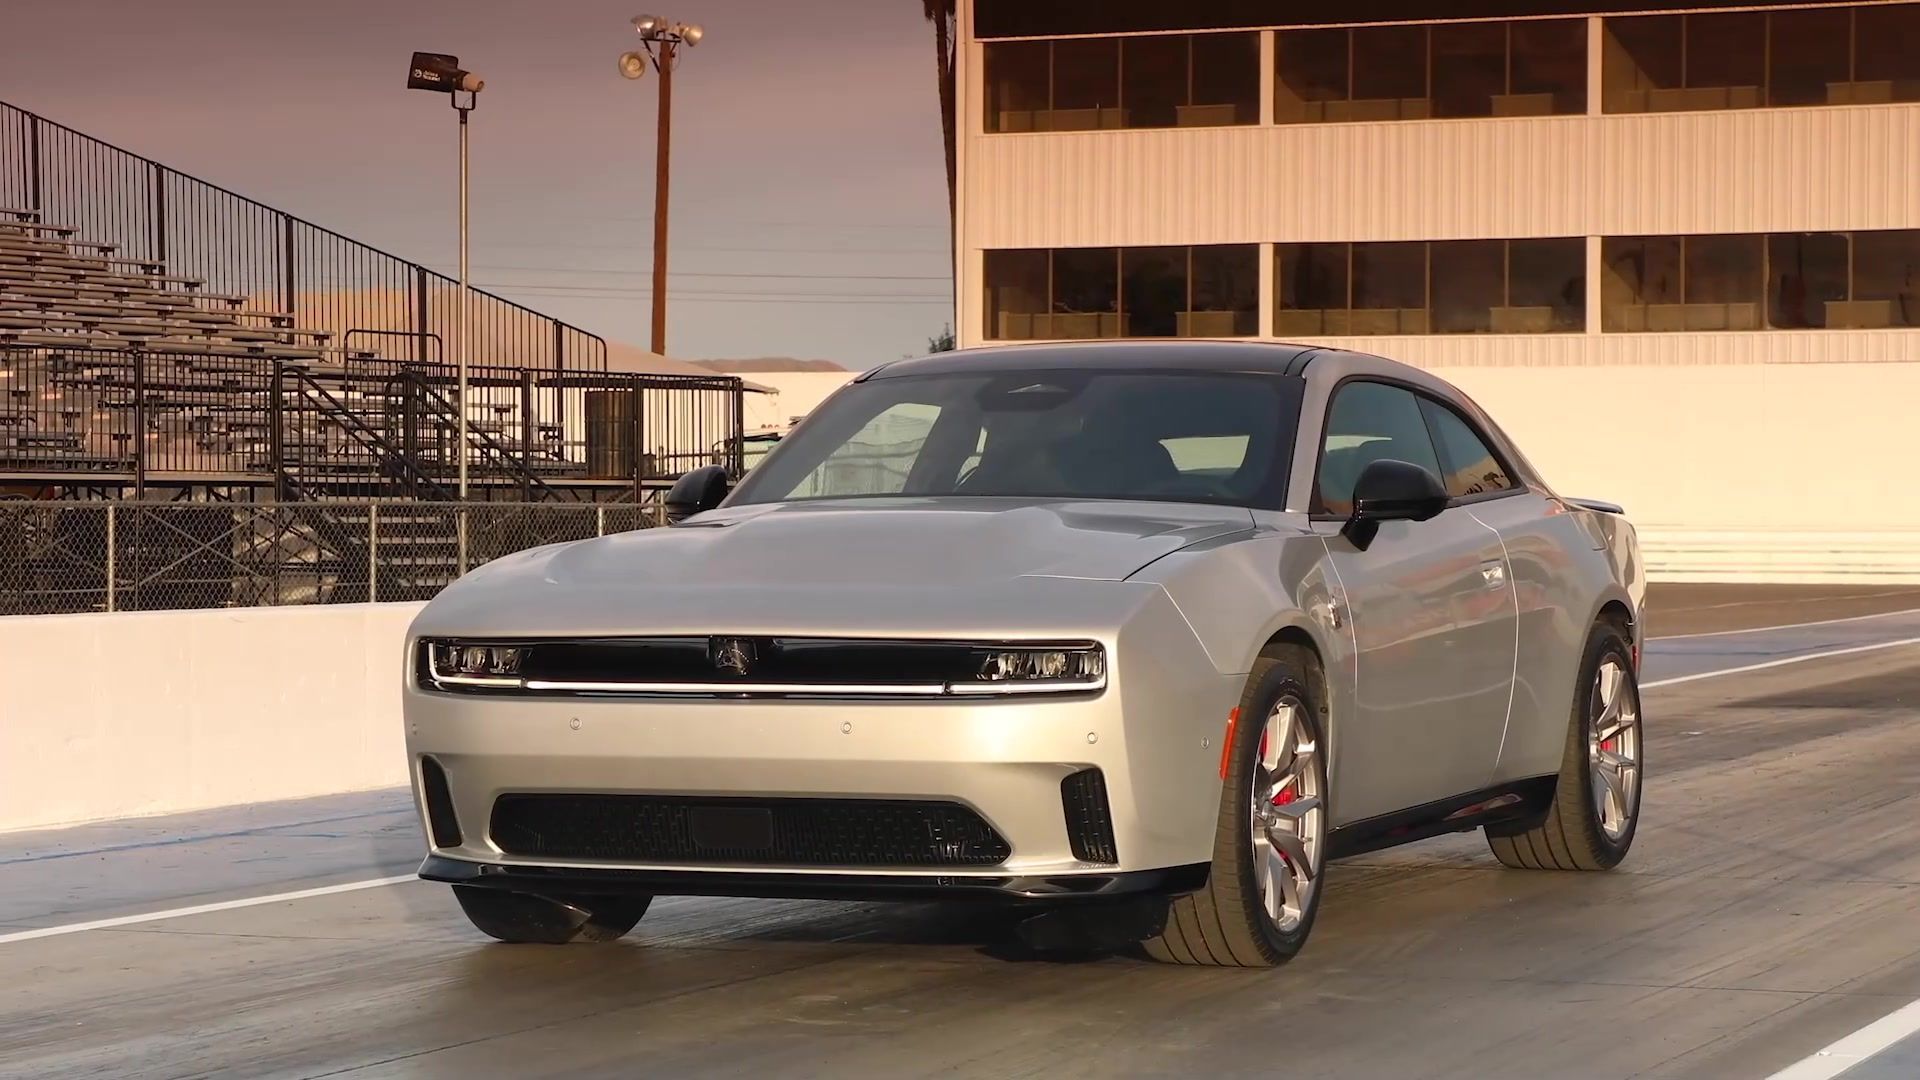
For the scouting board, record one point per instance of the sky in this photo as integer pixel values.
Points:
(809, 208)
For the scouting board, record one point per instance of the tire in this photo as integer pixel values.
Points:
(526, 919)
(1228, 922)
(1575, 833)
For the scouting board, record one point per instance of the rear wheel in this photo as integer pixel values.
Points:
(523, 918)
(1596, 803)
(1270, 841)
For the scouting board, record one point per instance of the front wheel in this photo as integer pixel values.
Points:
(1270, 842)
(523, 918)
(1596, 803)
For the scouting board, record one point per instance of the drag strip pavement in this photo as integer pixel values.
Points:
(1766, 913)
(1668, 658)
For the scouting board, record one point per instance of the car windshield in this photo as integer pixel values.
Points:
(1185, 436)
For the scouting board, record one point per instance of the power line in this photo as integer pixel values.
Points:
(725, 274)
(590, 293)
(633, 248)
(640, 291)
(881, 225)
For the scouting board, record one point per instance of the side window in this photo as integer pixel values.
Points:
(877, 459)
(1471, 468)
(1369, 422)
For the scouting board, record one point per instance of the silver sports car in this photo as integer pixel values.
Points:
(1137, 636)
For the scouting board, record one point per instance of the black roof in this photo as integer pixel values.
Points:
(1239, 356)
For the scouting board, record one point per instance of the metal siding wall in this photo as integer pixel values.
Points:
(1750, 171)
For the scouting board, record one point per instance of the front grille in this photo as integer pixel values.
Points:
(441, 822)
(750, 832)
(1089, 820)
(721, 665)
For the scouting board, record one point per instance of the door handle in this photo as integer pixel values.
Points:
(1493, 573)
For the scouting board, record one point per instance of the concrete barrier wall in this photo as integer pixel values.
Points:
(111, 716)
(1782, 473)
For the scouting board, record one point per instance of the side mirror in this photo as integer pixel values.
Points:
(1391, 490)
(696, 492)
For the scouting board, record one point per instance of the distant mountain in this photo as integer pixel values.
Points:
(768, 363)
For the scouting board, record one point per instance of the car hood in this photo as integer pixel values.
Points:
(827, 566)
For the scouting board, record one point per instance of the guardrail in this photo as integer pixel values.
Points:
(72, 557)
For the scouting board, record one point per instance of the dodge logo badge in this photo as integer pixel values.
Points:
(731, 655)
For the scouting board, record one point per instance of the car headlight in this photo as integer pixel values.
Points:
(1080, 665)
(456, 663)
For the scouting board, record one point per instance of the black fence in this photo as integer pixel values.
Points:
(130, 418)
(270, 260)
(71, 557)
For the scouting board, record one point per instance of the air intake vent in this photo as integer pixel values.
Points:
(1089, 821)
(441, 822)
(749, 832)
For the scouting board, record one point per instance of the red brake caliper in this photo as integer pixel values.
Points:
(1282, 799)
(1286, 796)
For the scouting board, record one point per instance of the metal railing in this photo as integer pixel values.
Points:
(70, 557)
(363, 427)
(275, 262)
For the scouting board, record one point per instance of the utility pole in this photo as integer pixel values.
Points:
(660, 173)
(660, 52)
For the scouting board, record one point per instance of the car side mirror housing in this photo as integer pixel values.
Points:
(1390, 490)
(697, 492)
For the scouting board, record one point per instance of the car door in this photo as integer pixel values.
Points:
(1431, 606)
(1539, 539)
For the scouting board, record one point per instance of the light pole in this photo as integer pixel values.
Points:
(660, 49)
(441, 73)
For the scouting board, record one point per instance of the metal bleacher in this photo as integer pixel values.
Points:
(162, 338)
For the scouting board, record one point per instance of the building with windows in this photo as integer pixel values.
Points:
(1675, 247)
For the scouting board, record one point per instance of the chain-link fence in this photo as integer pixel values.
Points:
(60, 558)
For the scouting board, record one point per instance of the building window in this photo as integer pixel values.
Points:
(1782, 281)
(1885, 289)
(1086, 294)
(1531, 68)
(1076, 293)
(1019, 84)
(1082, 84)
(1672, 283)
(1086, 85)
(1445, 287)
(1016, 292)
(1744, 60)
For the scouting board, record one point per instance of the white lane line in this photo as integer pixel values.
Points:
(1855, 1048)
(1827, 655)
(201, 909)
(1782, 626)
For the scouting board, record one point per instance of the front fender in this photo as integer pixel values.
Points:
(1238, 596)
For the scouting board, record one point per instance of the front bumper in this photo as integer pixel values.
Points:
(601, 881)
(1153, 733)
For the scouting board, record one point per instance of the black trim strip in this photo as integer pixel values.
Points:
(1436, 818)
(1062, 889)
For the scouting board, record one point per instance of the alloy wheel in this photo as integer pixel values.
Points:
(1613, 747)
(1289, 814)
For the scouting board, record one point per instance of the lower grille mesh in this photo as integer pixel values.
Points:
(752, 832)
(1089, 820)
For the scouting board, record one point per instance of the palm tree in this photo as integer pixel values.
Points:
(941, 14)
